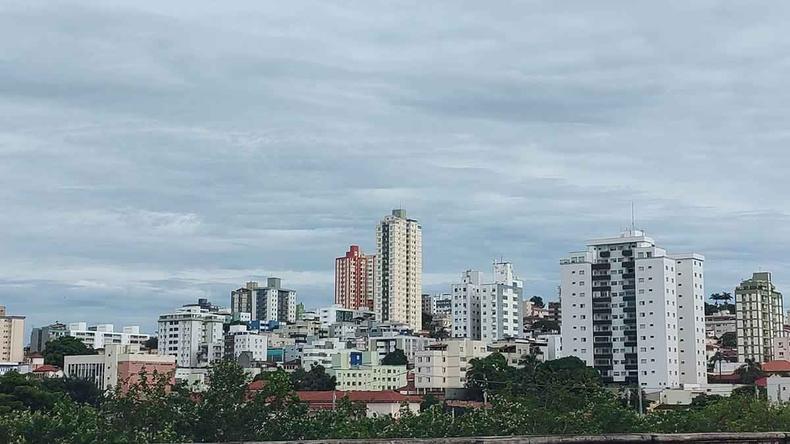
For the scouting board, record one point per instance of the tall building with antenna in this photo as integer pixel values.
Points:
(634, 312)
(398, 274)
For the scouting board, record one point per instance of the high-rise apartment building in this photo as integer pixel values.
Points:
(489, 311)
(270, 303)
(634, 312)
(759, 317)
(193, 335)
(355, 279)
(12, 327)
(398, 280)
(39, 336)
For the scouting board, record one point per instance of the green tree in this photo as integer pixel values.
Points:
(750, 372)
(729, 340)
(65, 346)
(151, 343)
(316, 379)
(546, 325)
(538, 301)
(395, 357)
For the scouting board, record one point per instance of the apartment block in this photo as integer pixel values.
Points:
(239, 339)
(398, 279)
(269, 303)
(39, 336)
(12, 330)
(489, 311)
(363, 371)
(100, 335)
(193, 335)
(634, 312)
(759, 317)
(443, 365)
(355, 279)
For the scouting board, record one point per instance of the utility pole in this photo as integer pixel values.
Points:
(641, 408)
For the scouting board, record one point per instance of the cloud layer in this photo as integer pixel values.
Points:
(154, 153)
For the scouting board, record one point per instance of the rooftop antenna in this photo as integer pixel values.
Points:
(632, 217)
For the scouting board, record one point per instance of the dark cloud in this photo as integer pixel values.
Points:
(155, 152)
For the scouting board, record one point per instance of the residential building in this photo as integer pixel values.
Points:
(12, 330)
(320, 352)
(355, 279)
(759, 317)
(490, 311)
(240, 339)
(443, 365)
(270, 303)
(398, 275)
(39, 336)
(410, 345)
(193, 335)
(355, 371)
(554, 312)
(719, 323)
(778, 389)
(634, 312)
(438, 304)
(384, 403)
(782, 348)
(337, 313)
(98, 336)
(118, 364)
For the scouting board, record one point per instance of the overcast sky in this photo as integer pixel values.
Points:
(155, 152)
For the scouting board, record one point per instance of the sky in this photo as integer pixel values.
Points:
(152, 153)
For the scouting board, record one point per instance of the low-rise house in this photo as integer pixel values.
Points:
(378, 403)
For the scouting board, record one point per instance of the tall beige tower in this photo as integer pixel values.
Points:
(759, 317)
(11, 330)
(398, 289)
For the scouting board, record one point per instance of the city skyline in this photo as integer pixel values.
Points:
(229, 143)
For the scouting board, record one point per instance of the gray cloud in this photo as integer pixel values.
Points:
(156, 152)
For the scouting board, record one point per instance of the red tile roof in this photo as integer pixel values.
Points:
(776, 366)
(45, 369)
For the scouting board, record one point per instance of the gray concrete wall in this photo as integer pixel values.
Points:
(696, 438)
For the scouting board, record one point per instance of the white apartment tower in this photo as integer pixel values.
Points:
(634, 312)
(398, 288)
(490, 311)
(759, 317)
(193, 335)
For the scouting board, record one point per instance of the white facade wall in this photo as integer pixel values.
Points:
(193, 335)
(691, 318)
(620, 312)
(444, 365)
(489, 311)
(100, 335)
(398, 275)
(254, 343)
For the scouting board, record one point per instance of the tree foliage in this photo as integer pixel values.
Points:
(538, 398)
(65, 346)
(538, 301)
(315, 379)
(395, 357)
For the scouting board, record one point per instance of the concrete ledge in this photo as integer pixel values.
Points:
(700, 438)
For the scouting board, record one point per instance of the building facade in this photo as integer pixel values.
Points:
(398, 279)
(239, 340)
(355, 371)
(12, 330)
(759, 317)
(355, 279)
(443, 365)
(193, 335)
(100, 335)
(118, 365)
(269, 303)
(489, 311)
(39, 336)
(634, 312)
